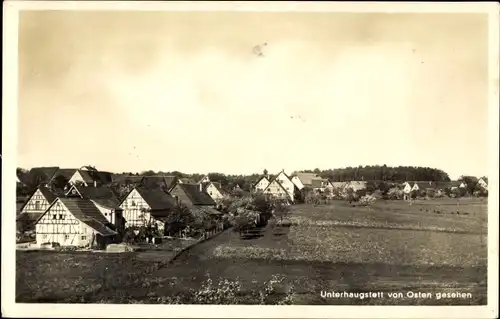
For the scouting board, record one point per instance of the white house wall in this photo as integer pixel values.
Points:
(296, 180)
(276, 190)
(214, 193)
(287, 184)
(262, 184)
(36, 204)
(58, 225)
(133, 207)
(77, 177)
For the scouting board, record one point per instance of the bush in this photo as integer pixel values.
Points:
(367, 200)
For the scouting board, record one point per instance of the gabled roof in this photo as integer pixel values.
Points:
(85, 211)
(46, 173)
(277, 182)
(158, 181)
(217, 185)
(156, 198)
(48, 193)
(103, 196)
(307, 178)
(196, 196)
(261, 178)
(65, 172)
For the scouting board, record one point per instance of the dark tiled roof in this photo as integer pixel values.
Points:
(49, 194)
(197, 197)
(85, 211)
(101, 195)
(157, 199)
(65, 172)
(424, 185)
(186, 180)
(159, 181)
(46, 173)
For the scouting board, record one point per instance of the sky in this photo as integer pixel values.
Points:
(134, 91)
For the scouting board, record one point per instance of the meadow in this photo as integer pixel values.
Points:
(389, 247)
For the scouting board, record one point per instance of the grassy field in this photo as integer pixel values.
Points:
(390, 247)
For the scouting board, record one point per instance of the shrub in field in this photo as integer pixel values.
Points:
(245, 221)
(367, 200)
(395, 193)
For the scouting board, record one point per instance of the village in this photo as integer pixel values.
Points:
(87, 208)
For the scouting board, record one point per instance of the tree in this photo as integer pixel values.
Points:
(245, 221)
(281, 209)
(59, 182)
(395, 193)
(265, 172)
(178, 219)
(470, 182)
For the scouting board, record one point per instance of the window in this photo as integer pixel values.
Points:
(66, 237)
(105, 214)
(44, 236)
(133, 203)
(210, 193)
(54, 216)
(84, 237)
(61, 216)
(37, 205)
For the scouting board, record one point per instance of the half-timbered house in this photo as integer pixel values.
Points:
(37, 204)
(143, 206)
(261, 184)
(73, 221)
(275, 189)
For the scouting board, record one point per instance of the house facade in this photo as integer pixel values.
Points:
(37, 204)
(261, 184)
(287, 184)
(355, 185)
(275, 189)
(142, 207)
(73, 222)
(214, 190)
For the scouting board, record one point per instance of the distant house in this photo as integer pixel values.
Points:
(105, 200)
(37, 204)
(407, 187)
(483, 182)
(456, 184)
(306, 179)
(192, 195)
(143, 206)
(214, 190)
(205, 179)
(286, 183)
(91, 178)
(261, 184)
(423, 186)
(73, 222)
(275, 189)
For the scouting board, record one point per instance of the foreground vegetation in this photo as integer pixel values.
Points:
(390, 247)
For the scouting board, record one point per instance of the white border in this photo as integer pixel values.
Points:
(9, 153)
